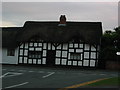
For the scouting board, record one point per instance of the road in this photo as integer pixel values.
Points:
(46, 77)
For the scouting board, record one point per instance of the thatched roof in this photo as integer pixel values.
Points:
(9, 35)
(90, 32)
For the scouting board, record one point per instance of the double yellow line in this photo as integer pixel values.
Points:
(82, 84)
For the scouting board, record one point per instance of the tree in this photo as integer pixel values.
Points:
(110, 44)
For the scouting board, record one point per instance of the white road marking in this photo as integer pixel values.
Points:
(48, 75)
(17, 85)
(4, 75)
(13, 74)
(30, 71)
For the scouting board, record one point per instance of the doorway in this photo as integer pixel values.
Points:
(50, 60)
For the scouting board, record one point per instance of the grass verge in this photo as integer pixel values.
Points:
(115, 81)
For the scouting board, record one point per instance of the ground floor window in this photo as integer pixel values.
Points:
(75, 56)
(10, 52)
(34, 54)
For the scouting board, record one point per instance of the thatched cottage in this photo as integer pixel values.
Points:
(52, 43)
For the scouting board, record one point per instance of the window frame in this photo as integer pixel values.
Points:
(35, 54)
(73, 56)
(10, 52)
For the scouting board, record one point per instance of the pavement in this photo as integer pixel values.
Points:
(48, 77)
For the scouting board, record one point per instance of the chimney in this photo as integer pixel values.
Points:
(62, 20)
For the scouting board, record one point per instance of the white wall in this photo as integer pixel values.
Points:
(9, 59)
(0, 55)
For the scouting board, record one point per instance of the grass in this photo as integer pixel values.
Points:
(115, 81)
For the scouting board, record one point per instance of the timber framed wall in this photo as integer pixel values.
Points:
(69, 54)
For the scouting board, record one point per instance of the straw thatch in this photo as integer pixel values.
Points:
(90, 32)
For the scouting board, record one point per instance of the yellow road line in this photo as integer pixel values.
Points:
(82, 84)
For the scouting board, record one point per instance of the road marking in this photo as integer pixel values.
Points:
(17, 85)
(13, 74)
(82, 84)
(4, 75)
(48, 75)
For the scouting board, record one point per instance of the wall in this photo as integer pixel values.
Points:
(88, 53)
(0, 55)
(9, 59)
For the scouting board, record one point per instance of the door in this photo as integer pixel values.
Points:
(51, 57)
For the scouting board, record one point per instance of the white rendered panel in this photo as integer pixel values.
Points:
(40, 44)
(38, 49)
(69, 56)
(58, 53)
(86, 54)
(49, 46)
(59, 47)
(26, 45)
(20, 61)
(79, 50)
(26, 52)
(30, 60)
(21, 46)
(31, 44)
(25, 59)
(87, 47)
(44, 46)
(92, 62)
(71, 50)
(74, 63)
(53, 48)
(31, 49)
(71, 45)
(44, 52)
(93, 55)
(57, 61)
(76, 45)
(64, 61)
(21, 52)
(81, 45)
(64, 53)
(44, 61)
(39, 61)
(93, 48)
(80, 63)
(65, 46)
(35, 44)
(86, 63)
(34, 61)
(69, 62)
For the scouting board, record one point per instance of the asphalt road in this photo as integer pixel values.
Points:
(46, 77)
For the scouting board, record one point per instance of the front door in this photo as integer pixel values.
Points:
(51, 57)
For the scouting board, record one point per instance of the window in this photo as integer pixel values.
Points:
(10, 52)
(75, 56)
(34, 54)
